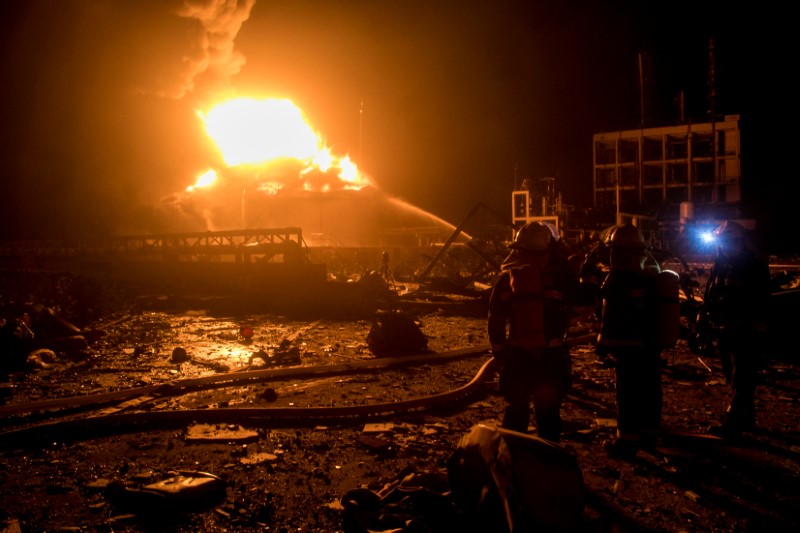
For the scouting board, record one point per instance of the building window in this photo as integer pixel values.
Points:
(628, 151)
(652, 149)
(629, 201)
(676, 195)
(653, 197)
(605, 153)
(653, 174)
(605, 177)
(605, 199)
(703, 171)
(677, 147)
(701, 194)
(630, 175)
(701, 145)
(677, 174)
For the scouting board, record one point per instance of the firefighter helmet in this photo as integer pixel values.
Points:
(627, 236)
(533, 237)
(732, 239)
(729, 231)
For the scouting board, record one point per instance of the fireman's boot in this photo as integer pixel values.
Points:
(737, 421)
(516, 418)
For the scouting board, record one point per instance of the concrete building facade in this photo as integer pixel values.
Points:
(643, 170)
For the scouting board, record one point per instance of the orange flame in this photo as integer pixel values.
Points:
(256, 133)
(204, 180)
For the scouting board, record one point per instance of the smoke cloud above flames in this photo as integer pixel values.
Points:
(212, 61)
(447, 103)
(265, 146)
(112, 109)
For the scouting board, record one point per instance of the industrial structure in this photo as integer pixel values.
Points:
(663, 179)
(536, 200)
(644, 170)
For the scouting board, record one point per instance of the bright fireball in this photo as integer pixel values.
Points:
(248, 131)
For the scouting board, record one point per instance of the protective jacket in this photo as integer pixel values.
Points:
(737, 301)
(529, 305)
(629, 319)
(629, 335)
(737, 293)
(528, 320)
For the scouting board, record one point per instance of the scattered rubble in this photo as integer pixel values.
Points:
(366, 472)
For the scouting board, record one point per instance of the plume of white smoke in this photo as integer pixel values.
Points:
(213, 61)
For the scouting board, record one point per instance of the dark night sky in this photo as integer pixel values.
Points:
(99, 96)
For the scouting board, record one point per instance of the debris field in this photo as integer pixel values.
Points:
(269, 423)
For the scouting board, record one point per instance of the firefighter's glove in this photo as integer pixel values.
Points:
(604, 356)
(501, 354)
(608, 361)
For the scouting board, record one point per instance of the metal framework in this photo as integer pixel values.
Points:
(240, 244)
(694, 162)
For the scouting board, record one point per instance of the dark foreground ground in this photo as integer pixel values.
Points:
(289, 475)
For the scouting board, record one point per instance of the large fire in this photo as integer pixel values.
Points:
(254, 135)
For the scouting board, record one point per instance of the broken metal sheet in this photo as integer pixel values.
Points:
(378, 428)
(606, 422)
(375, 443)
(220, 433)
(182, 492)
(259, 458)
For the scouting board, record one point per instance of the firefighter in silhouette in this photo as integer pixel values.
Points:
(736, 303)
(594, 269)
(629, 337)
(527, 325)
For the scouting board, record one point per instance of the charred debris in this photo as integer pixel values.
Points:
(59, 302)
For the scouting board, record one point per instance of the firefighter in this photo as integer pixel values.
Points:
(736, 301)
(628, 340)
(593, 271)
(527, 325)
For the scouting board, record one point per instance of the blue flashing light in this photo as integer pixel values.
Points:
(708, 237)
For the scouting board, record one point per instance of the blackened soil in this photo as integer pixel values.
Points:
(290, 475)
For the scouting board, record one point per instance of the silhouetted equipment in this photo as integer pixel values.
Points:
(505, 481)
(493, 262)
(395, 333)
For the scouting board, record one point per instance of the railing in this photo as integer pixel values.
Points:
(238, 243)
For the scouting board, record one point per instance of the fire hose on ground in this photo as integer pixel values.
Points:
(142, 421)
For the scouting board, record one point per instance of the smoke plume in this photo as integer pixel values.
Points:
(213, 60)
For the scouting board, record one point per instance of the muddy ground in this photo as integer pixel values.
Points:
(290, 474)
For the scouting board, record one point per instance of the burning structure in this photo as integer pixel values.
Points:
(277, 172)
(265, 223)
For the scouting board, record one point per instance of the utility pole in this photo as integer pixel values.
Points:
(244, 209)
(361, 133)
(712, 105)
(641, 89)
(640, 147)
